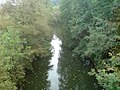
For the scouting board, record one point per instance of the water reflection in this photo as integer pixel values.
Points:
(53, 75)
(37, 79)
(73, 73)
(44, 75)
(66, 73)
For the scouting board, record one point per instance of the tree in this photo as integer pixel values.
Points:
(94, 32)
(24, 34)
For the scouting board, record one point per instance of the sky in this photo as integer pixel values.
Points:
(2, 1)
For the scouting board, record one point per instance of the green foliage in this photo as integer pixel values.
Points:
(94, 33)
(13, 59)
(107, 80)
(31, 17)
(24, 35)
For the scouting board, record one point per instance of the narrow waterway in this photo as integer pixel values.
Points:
(53, 75)
(60, 72)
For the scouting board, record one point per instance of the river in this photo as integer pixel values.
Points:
(60, 72)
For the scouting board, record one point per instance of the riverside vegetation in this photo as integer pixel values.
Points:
(25, 34)
(90, 29)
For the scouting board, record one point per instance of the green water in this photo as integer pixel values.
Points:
(37, 79)
(66, 73)
(73, 74)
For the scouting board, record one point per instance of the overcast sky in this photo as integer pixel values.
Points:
(2, 1)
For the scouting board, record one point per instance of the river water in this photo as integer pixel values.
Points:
(53, 75)
(60, 72)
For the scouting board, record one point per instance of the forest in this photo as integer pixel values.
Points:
(89, 31)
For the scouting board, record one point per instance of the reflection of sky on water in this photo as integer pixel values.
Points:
(53, 75)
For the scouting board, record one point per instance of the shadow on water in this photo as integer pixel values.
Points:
(37, 79)
(73, 73)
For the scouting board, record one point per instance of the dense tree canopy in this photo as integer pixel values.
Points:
(94, 33)
(25, 34)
